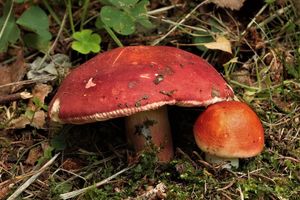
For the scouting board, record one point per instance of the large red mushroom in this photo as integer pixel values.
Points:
(137, 83)
(227, 131)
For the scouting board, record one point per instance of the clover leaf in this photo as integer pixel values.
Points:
(139, 12)
(118, 20)
(86, 41)
(122, 15)
(123, 3)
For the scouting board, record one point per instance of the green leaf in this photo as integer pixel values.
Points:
(270, 1)
(99, 23)
(203, 38)
(119, 21)
(86, 41)
(19, 1)
(123, 3)
(39, 104)
(36, 20)
(139, 13)
(36, 41)
(29, 114)
(9, 31)
(46, 156)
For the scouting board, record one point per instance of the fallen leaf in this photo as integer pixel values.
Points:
(11, 73)
(39, 119)
(40, 91)
(232, 4)
(19, 122)
(221, 43)
(5, 189)
(33, 155)
(59, 65)
(72, 164)
(34, 116)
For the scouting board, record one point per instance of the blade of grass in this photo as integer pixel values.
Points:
(6, 20)
(75, 193)
(113, 36)
(69, 8)
(179, 23)
(84, 13)
(32, 179)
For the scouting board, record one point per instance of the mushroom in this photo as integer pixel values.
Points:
(229, 130)
(137, 83)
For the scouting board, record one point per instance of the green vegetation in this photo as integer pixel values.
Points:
(257, 49)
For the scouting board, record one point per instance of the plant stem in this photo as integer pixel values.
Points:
(84, 12)
(69, 8)
(6, 20)
(55, 41)
(244, 86)
(179, 23)
(75, 193)
(53, 14)
(113, 36)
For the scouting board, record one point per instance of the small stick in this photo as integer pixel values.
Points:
(32, 179)
(75, 193)
(28, 82)
(14, 97)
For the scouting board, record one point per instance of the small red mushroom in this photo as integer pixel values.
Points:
(229, 130)
(137, 83)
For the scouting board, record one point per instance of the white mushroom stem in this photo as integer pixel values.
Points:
(227, 162)
(151, 127)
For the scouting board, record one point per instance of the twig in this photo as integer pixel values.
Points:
(32, 179)
(75, 193)
(179, 23)
(28, 82)
(14, 97)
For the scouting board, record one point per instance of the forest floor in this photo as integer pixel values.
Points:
(256, 48)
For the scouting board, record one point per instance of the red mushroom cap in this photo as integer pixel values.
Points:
(128, 80)
(230, 130)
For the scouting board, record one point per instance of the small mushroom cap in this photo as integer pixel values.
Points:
(230, 130)
(128, 80)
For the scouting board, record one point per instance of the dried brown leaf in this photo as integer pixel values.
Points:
(72, 164)
(39, 119)
(12, 73)
(221, 43)
(40, 91)
(232, 4)
(33, 155)
(5, 190)
(19, 122)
